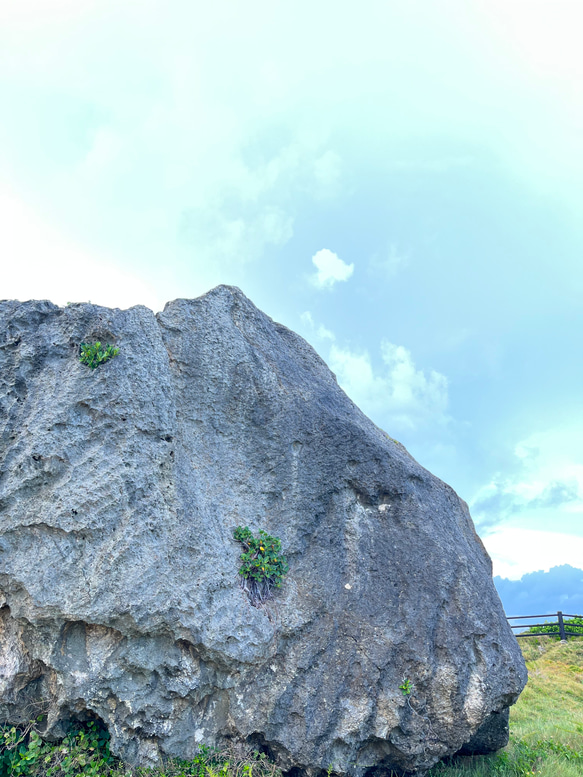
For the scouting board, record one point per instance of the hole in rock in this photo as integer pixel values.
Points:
(73, 721)
(295, 772)
(103, 334)
(379, 771)
(273, 750)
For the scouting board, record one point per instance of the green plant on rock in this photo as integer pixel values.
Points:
(407, 687)
(263, 565)
(95, 354)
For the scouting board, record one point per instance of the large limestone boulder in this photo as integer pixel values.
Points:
(120, 489)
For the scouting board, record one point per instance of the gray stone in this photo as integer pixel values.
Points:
(120, 489)
(491, 736)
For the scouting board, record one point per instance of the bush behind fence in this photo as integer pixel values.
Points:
(562, 626)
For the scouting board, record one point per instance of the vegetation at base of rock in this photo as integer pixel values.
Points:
(546, 737)
(571, 624)
(546, 724)
(24, 753)
(263, 565)
(85, 753)
(95, 354)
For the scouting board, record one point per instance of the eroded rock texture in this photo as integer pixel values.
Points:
(120, 489)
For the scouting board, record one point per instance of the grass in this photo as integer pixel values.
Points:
(546, 736)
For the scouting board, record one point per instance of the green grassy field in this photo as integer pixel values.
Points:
(546, 736)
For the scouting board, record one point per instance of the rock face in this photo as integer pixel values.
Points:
(120, 489)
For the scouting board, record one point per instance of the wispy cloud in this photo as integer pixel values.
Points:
(387, 263)
(223, 238)
(515, 552)
(547, 479)
(318, 332)
(330, 269)
(400, 394)
(499, 501)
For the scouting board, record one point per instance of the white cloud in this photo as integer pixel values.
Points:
(545, 486)
(173, 122)
(319, 333)
(514, 512)
(399, 397)
(330, 269)
(224, 240)
(325, 334)
(515, 552)
(542, 41)
(40, 263)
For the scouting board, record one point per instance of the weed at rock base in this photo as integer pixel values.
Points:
(23, 753)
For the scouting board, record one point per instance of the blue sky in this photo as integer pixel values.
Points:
(401, 183)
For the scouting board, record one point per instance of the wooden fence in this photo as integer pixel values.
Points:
(559, 618)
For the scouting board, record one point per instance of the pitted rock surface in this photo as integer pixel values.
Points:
(120, 489)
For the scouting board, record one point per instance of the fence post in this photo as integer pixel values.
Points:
(562, 634)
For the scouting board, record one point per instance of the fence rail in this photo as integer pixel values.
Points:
(559, 619)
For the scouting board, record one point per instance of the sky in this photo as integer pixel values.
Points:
(558, 589)
(401, 183)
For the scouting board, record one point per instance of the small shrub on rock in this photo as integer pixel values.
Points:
(263, 565)
(95, 354)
